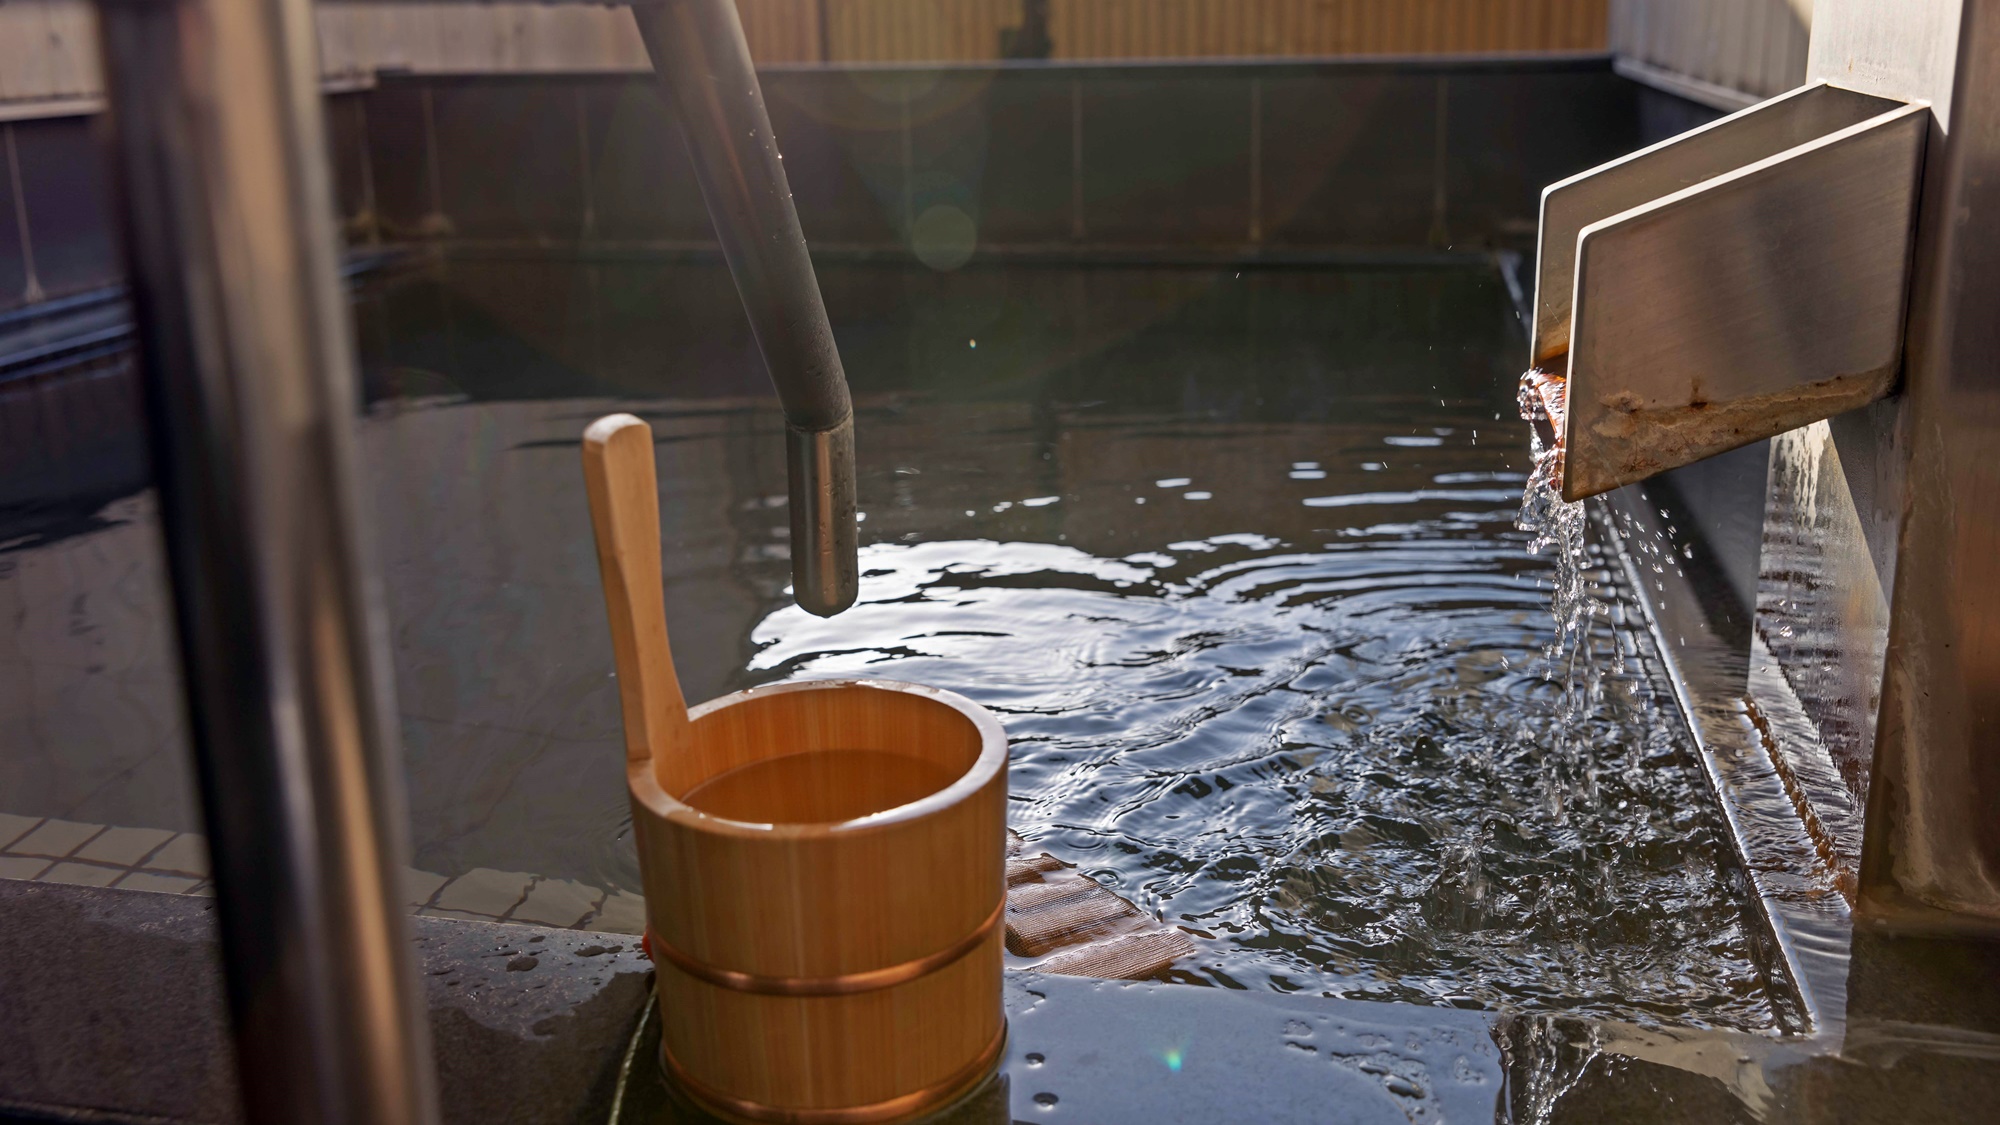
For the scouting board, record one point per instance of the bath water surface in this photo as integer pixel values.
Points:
(818, 787)
(1232, 555)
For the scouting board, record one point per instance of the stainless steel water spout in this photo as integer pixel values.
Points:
(698, 49)
(1729, 284)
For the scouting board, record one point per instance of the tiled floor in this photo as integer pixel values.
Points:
(163, 862)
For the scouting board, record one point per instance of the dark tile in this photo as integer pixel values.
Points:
(1663, 115)
(840, 133)
(64, 180)
(676, 329)
(71, 440)
(541, 1046)
(950, 154)
(1026, 194)
(1612, 1087)
(129, 1018)
(642, 183)
(1722, 500)
(1349, 160)
(398, 155)
(1115, 1052)
(1510, 135)
(1167, 162)
(13, 267)
(510, 158)
(1888, 1076)
(1907, 981)
(347, 154)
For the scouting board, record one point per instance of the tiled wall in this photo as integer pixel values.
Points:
(1253, 158)
(1228, 159)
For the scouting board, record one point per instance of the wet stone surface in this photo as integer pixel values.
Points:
(111, 1003)
(1123, 1053)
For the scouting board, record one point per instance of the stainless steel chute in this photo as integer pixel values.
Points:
(1729, 284)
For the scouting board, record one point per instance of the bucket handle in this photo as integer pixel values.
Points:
(619, 476)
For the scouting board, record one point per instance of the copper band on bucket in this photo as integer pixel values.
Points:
(845, 984)
(906, 1105)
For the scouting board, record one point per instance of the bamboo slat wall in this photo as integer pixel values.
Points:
(931, 30)
(48, 48)
(1094, 29)
(916, 30)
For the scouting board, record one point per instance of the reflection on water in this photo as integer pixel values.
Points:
(1330, 756)
(1232, 555)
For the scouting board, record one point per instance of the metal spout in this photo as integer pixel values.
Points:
(1728, 285)
(703, 63)
(819, 473)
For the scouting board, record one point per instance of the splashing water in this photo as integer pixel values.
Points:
(1546, 1058)
(1561, 529)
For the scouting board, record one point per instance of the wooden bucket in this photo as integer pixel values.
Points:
(824, 861)
(816, 970)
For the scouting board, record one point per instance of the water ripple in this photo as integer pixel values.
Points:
(1329, 760)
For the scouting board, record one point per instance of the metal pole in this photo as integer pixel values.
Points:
(699, 52)
(250, 391)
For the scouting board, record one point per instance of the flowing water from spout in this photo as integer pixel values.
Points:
(1574, 657)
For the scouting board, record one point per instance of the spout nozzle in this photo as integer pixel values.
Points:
(819, 464)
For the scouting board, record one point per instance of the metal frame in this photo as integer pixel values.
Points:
(225, 200)
(250, 393)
